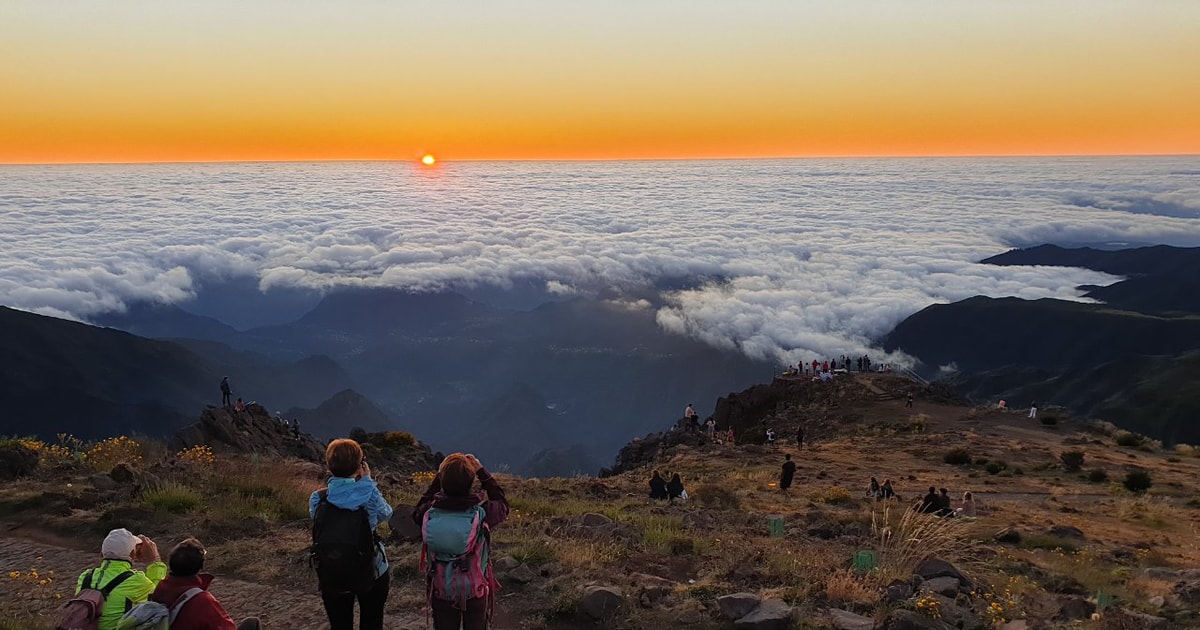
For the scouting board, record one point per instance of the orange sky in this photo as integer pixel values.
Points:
(175, 80)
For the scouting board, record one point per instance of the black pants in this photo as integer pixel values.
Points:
(340, 607)
(225, 398)
(447, 616)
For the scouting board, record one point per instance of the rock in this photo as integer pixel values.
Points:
(737, 605)
(1066, 531)
(935, 567)
(1016, 624)
(17, 460)
(959, 616)
(1063, 584)
(1071, 608)
(122, 473)
(645, 579)
(252, 431)
(1158, 601)
(845, 620)
(404, 529)
(898, 591)
(1007, 535)
(522, 574)
(504, 563)
(947, 586)
(689, 613)
(1142, 620)
(652, 595)
(1188, 592)
(912, 620)
(825, 530)
(601, 602)
(104, 482)
(591, 519)
(771, 614)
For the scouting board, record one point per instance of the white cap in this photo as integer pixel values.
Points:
(119, 544)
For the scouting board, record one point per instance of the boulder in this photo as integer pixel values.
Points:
(522, 574)
(737, 605)
(1072, 608)
(845, 620)
(1007, 535)
(404, 529)
(16, 460)
(122, 473)
(898, 591)
(251, 431)
(912, 620)
(959, 616)
(946, 586)
(771, 614)
(601, 602)
(652, 595)
(935, 567)
(1188, 592)
(504, 563)
(1066, 531)
(103, 482)
(592, 519)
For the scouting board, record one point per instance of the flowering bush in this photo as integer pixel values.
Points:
(199, 456)
(109, 452)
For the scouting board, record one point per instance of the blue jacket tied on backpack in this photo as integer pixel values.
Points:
(350, 494)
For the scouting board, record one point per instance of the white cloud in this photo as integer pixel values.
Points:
(819, 256)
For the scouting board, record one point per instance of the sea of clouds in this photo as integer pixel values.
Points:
(805, 256)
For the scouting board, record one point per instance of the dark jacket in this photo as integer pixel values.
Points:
(930, 503)
(658, 488)
(202, 612)
(785, 477)
(674, 488)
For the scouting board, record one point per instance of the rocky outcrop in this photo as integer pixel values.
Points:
(642, 451)
(249, 431)
(16, 460)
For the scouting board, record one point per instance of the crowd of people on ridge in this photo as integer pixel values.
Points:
(239, 406)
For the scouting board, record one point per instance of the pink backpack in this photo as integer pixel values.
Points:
(454, 556)
(84, 610)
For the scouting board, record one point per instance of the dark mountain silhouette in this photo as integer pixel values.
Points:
(1130, 360)
(163, 321)
(1160, 279)
(561, 462)
(335, 417)
(61, 376)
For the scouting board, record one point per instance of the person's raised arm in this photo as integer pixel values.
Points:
(426, 500)
(496, 506)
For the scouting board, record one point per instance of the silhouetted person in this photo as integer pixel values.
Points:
(873, 489)
(1033, 410)
(674, 487)
(886, 491)
(226, 392)
(787, 474)
(943, 503)
(908, 401)
(438, 458)
(930, 503)
(239, 405)
(800, 437)
(296, 428)
(658, 487)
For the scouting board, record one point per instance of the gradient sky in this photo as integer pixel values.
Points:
(174, 80)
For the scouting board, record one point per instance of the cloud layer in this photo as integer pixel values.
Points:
(818, 256)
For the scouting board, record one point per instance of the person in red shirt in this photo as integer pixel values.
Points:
(202, 611)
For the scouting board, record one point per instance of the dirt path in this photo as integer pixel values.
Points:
(277, 607)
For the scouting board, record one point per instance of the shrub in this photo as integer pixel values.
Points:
(1072, 460)
(1128, 438)
(112, 451)
(717, 496)
(994, 468)
(396, 439)
(832, 495)
(1097, 475)
(980, 461)
(1048, 420)
(173, 498)
(1137, 481)
(199, 456)
(957, 457)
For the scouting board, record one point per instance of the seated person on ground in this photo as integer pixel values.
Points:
(930, 502)
(129, 586)
(675, 488)
(658, 487)
(201, 611)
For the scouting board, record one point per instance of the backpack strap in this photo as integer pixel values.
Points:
(114, 583)
(183, 599)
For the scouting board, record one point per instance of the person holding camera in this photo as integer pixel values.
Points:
(122, 585)
(347, 553)
(456, 526)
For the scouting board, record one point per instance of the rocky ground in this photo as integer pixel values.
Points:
(1051, 547)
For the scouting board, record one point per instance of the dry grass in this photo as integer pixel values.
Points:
(843, 585)
(903, 541)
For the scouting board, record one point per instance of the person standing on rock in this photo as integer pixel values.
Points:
(1033, 410)
(349, 559)
(226, 392)
(908, 401)
(296, 428)
(787, 474)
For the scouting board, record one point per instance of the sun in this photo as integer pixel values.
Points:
(428, 159)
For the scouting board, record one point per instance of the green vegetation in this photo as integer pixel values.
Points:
(1071, 460)
(957, 457)
(1137, 481)
(173, 498)
(1097, 475)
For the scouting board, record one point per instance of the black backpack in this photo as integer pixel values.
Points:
(343, 548)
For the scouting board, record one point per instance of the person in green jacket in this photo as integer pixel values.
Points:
(118, 553)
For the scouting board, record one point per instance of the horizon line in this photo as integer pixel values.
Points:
(615, 159)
